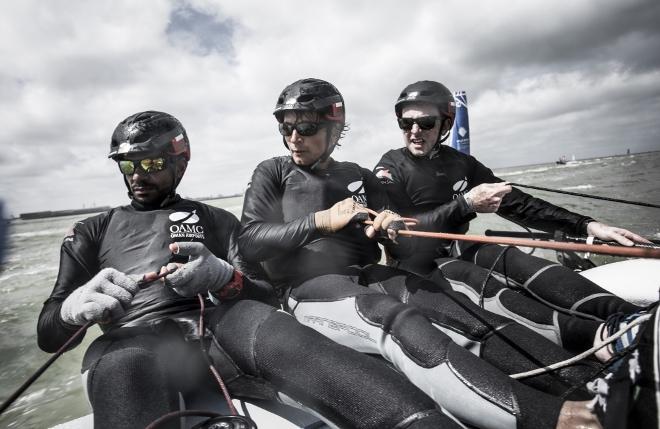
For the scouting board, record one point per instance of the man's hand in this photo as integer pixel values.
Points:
(387, 221)
(204, 272)
(576, 414)
(339, 215)
(487, 197)
(611, 233)
(102, 299)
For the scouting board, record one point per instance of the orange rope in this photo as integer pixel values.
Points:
(604, 249)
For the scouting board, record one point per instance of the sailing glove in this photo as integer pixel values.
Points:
(104, 298)
(204, 272)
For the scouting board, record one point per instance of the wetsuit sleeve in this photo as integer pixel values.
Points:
(264, 233)
(78, 256)
(536, 213)
(253, 274)
(445, 217)
(522, 208)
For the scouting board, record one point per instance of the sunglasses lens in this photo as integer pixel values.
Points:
(147, 165)
(286, 129)
(126, 167)
(152, 165)
(405, 123)
(426, 122)
(423, 122)
(307, 128)
(304, 128)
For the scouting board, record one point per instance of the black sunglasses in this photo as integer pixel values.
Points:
(303, 128)
(147, 165)
(423, 122)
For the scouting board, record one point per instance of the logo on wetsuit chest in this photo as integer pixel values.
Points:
(384, 175)
(357, 189)
(459, 188)
(185, 225)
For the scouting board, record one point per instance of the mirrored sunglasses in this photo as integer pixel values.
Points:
(303, 128)
(423, 122)
(147, 165)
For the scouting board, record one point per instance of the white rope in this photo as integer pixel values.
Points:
(574, 359)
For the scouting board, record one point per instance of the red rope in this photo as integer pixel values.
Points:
(214, 371)
(638, 252)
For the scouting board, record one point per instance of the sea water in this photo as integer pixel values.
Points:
(32, 259)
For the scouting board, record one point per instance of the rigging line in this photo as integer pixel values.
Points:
(18, 392)
(81, 331)
(595, 197)
(638, 252)
(563, 237)
(577, 358)
(212, 368)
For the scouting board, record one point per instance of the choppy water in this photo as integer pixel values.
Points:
(33, 255)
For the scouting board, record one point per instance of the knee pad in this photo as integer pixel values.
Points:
(408, 327)
(452, 312)
(321, 374)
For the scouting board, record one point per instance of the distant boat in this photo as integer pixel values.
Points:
(564, 161)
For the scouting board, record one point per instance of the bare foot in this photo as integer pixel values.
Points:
(576, 415)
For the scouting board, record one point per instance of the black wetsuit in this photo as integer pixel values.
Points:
(432, 189)
(135, 370)
(405, 318)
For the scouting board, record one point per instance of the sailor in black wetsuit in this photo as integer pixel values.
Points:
(150, 347)
(301, 219)
(445, 188)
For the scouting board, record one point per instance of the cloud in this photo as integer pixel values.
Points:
(583, 76)
(200, 32)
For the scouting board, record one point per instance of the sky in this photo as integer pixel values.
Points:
(543, 79)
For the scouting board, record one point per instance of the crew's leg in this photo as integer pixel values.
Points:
(373, 322)
(130, 381)
(573, 333)
(345, 387)
(551, 283)
(504, 343)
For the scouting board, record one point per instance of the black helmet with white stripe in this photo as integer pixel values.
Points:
(317, 96)
(435, 93)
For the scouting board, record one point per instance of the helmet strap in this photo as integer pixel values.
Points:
(441, 138)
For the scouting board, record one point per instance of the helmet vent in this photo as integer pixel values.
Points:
(305, 98)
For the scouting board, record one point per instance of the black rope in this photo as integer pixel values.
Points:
(81, 331)
(490, 273)
(595, 197)
(44, 367)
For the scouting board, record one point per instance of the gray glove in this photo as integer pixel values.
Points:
(103, 298)
(204, 272)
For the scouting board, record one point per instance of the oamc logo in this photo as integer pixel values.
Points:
(185, 217)
(183, 225)
(357, 189)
